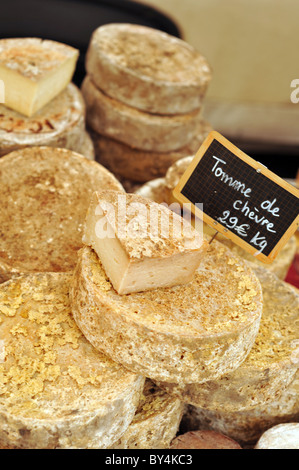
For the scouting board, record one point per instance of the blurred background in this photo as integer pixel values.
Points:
(252, 47)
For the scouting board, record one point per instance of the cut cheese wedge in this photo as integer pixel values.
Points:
(56, 390)
(188, 333)
(140, 165)
(147, 68)
(271, 364)
(138, 129)
(34, 71)
(46, 193)
(246, 426)
(155, 423)
(142, 245)
(61, 123)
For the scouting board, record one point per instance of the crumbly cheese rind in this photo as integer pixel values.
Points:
(147, 69)
(46, 193)
(155, 423)
(189, 333)
(137, 165)
(56, 390)
(271, 364)
(61, 123)
(144, 131)
(246, 426)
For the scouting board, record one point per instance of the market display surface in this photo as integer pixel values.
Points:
(113, 335)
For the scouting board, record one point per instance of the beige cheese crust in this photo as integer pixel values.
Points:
(34, 71)
(56, 390)
(142, 245)
(271, 364)
(144, 131)
(46, 193)
(147, 69)
(189, 333)
(86, 148)
(155, 423)
(246, 426)
(61, 123)
(137, 165)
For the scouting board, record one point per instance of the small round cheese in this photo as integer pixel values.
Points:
(139, 165)
(270, 366)
(46, 193)
(183, 334)
(112, 118)
(147, 69)
(61, 123)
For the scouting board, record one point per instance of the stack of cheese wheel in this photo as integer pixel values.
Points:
(60, 122)
(263, 391)
(144, 91)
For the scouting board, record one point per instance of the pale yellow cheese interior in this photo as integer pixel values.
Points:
(129, 273)
(27, 96)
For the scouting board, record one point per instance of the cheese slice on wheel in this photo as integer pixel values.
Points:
(34, 71)
(46, 193)
(61, 123)
(136, 128)
(188, 333)
(56, 390)
(147, 68)
(142, 245)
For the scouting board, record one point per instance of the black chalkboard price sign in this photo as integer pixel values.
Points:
(240, 198)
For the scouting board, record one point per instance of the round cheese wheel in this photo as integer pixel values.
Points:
(271, 364)
(112, 118)
(183, 334)
(56, 390)
(141, 165)
(147, 69)
(61, 123)
(46, 193)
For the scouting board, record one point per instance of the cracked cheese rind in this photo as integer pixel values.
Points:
(190, 333)
(147, 69)
(271, 364)
(60, 123)
(34, 71)
(56, 390)
(155, 423)
(46, 193)
(141, 245)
